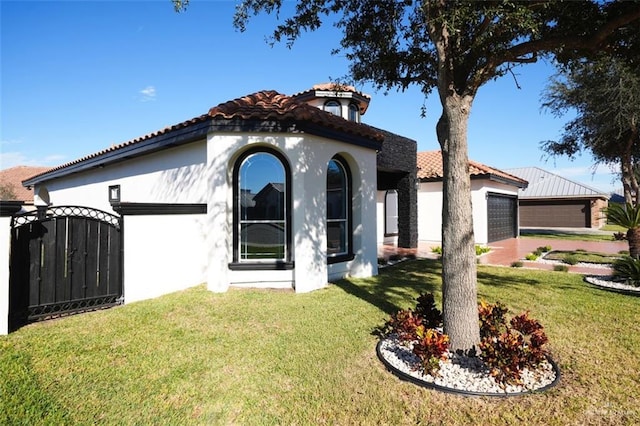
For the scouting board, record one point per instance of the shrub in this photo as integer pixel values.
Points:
(531, 256)
(491, 318)
(482, 250)
(431, 347)
(419, 327)
(509, 348)
(561, 268)
(517, 264)
(426, 309)
(570, 259)
(544, 249)
(619, 236)
(628, 269)
(436, 249)
(404, 323)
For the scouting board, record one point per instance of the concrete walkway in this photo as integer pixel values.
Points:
(504, 253)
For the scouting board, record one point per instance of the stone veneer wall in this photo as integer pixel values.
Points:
(598, 218)
(397, 169)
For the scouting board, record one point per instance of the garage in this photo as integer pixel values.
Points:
(502, 213)
(553, 201)
(561, 213)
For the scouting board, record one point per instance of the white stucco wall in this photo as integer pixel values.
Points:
(166, 253)
(308, 157)
(430, 208)
(174, 175)
(163, 254)
(5, 246)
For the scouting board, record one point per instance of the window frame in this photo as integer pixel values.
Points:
(354, 112)
(265, 264)
(348, 220)
(387, 233)
(333, 103)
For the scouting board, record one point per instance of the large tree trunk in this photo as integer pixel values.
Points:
(459, 287)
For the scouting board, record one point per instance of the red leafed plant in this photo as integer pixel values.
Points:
(509, 348)
(418, 327)
(404, 324)
(431, 347)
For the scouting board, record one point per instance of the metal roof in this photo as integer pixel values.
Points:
(543, 184)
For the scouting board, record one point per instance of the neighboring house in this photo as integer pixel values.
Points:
(11, 183)
(553, 201)
(494, 198)
(266, 190)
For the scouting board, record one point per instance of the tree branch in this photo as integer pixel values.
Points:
(592, 42)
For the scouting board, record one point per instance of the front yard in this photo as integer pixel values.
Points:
(270, 357)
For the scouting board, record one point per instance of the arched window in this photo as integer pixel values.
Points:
(333, 107)
(354, 113)
(261, 210)
(339, 235)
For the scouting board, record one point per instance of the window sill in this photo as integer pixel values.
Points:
(340, 258)
(259, 266)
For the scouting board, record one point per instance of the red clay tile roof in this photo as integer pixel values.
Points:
(336, 87)
(265, 105)
(14, 176)
(430, 168)
(270, 104)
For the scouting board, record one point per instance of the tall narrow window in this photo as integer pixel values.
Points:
(354, 113)
(338, 209)
(261, 208)
(333, 107)
(391, 212)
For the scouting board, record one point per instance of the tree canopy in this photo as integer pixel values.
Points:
(605, 94)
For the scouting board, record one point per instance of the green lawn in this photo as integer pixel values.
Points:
(568, 236)
(259, 357)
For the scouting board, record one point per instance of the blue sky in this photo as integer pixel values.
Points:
(79, 76)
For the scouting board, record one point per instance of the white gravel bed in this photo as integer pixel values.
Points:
(609, 282)
(461, 373)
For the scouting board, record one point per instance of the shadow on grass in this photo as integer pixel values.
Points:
(397, 286)
(24, 400)
(502, 279)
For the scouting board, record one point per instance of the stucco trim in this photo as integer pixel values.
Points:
(153, 209)
(258, 266)
(9, 208)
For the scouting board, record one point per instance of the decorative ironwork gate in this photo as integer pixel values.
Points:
(64, 259)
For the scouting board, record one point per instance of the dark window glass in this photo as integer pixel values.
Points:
(337, 208)
(262, 208)
(354, 113)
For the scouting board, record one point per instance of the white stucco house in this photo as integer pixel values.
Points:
(494, 198)
(267, 190)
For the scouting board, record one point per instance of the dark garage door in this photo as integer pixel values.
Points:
(503, 216)
(555, 214)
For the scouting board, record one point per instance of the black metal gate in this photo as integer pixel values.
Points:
(64, 260)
